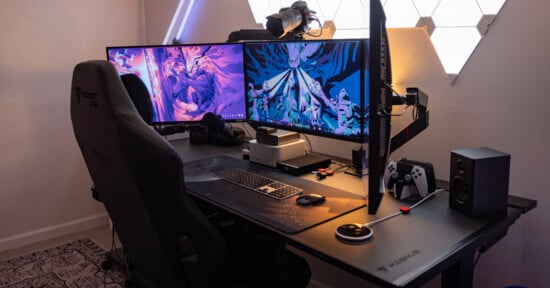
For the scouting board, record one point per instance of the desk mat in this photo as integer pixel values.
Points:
(283, 215)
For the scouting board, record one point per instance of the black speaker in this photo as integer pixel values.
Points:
(479, 181)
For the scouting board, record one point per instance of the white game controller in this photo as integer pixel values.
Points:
(420, 180)
(390, 174)
(406, 178)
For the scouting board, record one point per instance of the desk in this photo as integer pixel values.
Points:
(405, 251)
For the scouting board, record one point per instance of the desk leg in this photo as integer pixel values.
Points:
(460, 275)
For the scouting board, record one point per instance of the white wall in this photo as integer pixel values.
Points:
(499, 100)
(44, 185)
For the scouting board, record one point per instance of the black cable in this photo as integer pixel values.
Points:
(320, 33)
(478, 256)
(113, 246)
(108, 263)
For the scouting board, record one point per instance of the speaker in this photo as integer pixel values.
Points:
(479, 181)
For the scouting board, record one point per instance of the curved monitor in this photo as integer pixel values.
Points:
(187, 81)
(313, 86)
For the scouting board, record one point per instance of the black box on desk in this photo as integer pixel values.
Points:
(304, 164)
(276, 138)
(479, 181)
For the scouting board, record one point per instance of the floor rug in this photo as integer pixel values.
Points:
(72, 265)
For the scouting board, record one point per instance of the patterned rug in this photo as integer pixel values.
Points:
(73, 265)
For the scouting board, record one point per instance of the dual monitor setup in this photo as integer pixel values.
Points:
(336, 88)
(318, 87)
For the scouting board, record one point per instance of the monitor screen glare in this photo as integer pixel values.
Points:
(187, 81)
(310, 86)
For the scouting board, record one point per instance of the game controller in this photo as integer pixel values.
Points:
(408, 177)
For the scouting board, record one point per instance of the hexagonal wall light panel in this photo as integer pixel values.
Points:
(455, 26)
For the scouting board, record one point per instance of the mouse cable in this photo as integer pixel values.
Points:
(403, 209)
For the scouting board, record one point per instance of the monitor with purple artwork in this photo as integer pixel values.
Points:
(187, 81)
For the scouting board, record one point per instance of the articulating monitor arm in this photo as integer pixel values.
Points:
(419, 99)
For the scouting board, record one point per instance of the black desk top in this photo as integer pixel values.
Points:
(406, 250)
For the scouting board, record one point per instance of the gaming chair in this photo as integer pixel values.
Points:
(139, 178)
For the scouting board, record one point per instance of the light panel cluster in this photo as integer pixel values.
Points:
(455, 26)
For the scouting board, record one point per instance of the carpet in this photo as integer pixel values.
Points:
(72, 265)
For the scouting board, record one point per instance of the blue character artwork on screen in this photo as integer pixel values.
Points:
(187, 81)
(314, 86)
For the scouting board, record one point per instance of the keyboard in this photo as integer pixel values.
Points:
(259, 183)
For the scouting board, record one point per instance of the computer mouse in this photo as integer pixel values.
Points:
(310, 199)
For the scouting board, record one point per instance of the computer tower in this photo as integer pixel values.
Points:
(479, 181)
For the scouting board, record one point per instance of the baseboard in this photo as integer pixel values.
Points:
(50, 232)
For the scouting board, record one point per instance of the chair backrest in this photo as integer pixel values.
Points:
(139, 177)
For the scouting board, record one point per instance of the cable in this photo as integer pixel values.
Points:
(395, 93)
(113, 246)
(403, 210)
(360, 232)
(342, 167)
(479, 252)
(310, 148)
(392, 90)
(402, 111)
(416, 113)
(108, 263)
(320, 33)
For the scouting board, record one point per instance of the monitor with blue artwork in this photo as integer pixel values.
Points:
(335, 88)
(187, 81)
(315, 87)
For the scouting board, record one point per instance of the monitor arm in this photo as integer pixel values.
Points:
(419, 99)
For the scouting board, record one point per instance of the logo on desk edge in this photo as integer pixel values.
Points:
(399, 261)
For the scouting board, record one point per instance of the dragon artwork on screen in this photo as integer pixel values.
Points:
(186, 82)
(314, 86)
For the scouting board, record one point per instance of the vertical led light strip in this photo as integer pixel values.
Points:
(175, 30)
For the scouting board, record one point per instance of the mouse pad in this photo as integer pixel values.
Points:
(284, 215)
